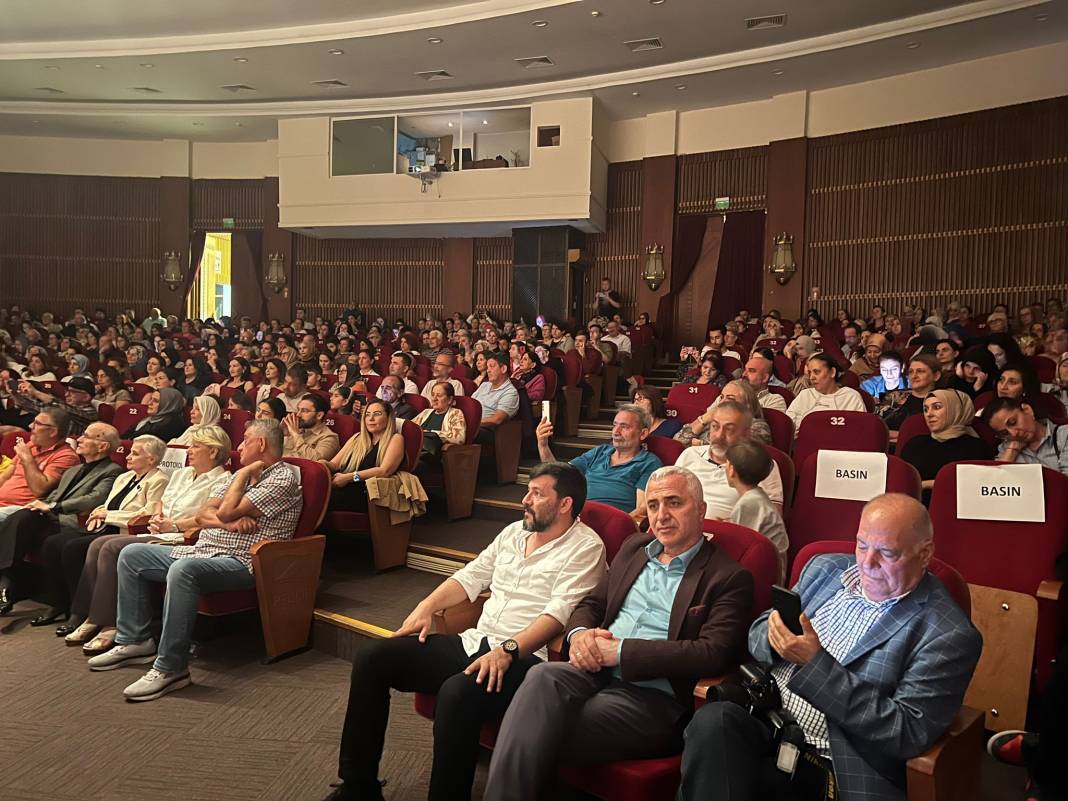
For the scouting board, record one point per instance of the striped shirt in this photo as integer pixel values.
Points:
(840, 624)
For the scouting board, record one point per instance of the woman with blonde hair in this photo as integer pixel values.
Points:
(378, 450)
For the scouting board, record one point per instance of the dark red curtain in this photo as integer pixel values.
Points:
(740, 278)
(689, 233)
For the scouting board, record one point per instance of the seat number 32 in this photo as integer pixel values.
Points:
(837, 421)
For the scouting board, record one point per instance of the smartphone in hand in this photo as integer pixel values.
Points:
(788, 604)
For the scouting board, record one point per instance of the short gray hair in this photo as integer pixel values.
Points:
(60, 419)
(643, 416)
(737, 408)
(271, 431)
(154, 446)
(693, 483)
(110, 435)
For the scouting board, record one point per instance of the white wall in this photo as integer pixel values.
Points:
(235, 159)
(490, 145)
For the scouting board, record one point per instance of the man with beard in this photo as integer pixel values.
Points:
(616, 474)
(731, 423)
(307, 435)
(537, 571)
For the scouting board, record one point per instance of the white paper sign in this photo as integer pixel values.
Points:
(173, 460)
(1008, 492)
(850, 475)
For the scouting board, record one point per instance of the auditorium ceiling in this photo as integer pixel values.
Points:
(219, 70)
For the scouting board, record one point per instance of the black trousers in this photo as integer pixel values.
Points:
(1047, 766)
(435, 666)
(63, 556)
(728, 757)
(486, 434)
(20, 534)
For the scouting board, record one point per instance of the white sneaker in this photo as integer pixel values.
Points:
(142, 653)
(154, 684)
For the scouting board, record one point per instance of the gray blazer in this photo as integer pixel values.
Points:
(895, 693)
(86, 495)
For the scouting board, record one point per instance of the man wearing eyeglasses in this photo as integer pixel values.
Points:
(441, 370)
(1024, 438)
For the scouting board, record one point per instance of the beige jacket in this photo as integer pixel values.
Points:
(318, 443)
(141, 501)
(401, 493)
(453, 427)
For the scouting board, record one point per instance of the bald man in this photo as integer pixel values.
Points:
(876, 676)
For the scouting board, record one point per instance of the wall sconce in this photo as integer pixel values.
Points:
(654, 274)
(172, 270)
(782, 258)
(275, 277)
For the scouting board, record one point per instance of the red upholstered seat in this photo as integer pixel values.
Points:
(665, 449)
(417, 402)
(139, 391)
(783, 368)
(952, 580)
(344, 425)
(1045, 368)
(782, 429)
(118, 456)
(687, 402)
(783, 393)
(839, 431)
(128, 415)
(788, 475)
(105, 413)
(849, 379)
(812, 519)
(1013, 556)
(7, 445)
(915, 425)
(612, 525)
(233, 422)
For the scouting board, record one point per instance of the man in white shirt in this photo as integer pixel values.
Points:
(399, 365)
(730, 423)
(616, 336)
(441, 370)
(757, 373)
(537, 571)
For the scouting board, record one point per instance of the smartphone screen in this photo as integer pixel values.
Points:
(545, 410)
(788, 604)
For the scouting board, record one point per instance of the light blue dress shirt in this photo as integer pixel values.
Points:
(646, 611)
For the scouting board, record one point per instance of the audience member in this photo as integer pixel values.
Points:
(274, 378)
(649, 398)
(729, 423)
(607, 301)
(110, 389)
(306, 434)
(400, 364)
(748, 463)
(758, 372)
(825, 392)
(923, 376)
(499, 398)
(389, 391)
(976, 372)
(628, 683)
(537, 570)
(91, 564)
(271, 409)
(204, 411)
(165, 416)
(1024, 438)
(441, 370)
(617, 472)
(262, 502)
(891, 377)
(862, 716)
(442, 423)
(39, 461)
(295, 386)
(696, 432)
(378, 450)
(868, 364)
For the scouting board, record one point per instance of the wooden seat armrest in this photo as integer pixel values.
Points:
(1050, 590)
(949, 769)
(293, 546)
(460, 617)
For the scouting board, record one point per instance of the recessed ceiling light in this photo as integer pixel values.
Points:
(435, 40)
(680, 86)
(540, 23)
(241, 60)
(656, 2)
(99, 66)
(912, 45)
(51, 66)
(146, 65)
(1042, 18)
(336, 52)
(35, 121)
(635, 94)
(777, 73)
(595, 13)
(239, 125)
(485, 122)
(450, 124)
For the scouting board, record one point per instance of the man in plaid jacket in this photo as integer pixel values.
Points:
(876, 676)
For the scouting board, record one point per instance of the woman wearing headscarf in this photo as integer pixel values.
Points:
(204, 412)
(166, 416)
(78, 366)
(977, 372)
(949, 414)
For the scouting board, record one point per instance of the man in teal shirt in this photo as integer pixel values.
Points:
(616, 474)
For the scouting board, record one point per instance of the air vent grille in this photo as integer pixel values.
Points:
(642, 45)
(50, 89)
(434, 75)
(535, 62)
(763, 23)
(330, 83)
(146, 90)
(238, 87)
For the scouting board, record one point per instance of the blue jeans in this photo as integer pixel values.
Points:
(140, 566)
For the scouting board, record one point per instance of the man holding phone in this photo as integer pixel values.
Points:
(875, 676)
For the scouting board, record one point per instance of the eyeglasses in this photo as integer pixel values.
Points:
(39, 424)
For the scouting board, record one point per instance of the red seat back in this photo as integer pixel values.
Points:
(812, 519)
(612, 525)
(315, 487)
(952, 580)
(7, 445)
(783, 368)
(782, 429)
(731, 365)
(105, 413)
(787, 474)
(373, 383)
(754, 552)
(413, 443)
(665, 449)
(849, 379)
(551, 380)
(417, 402)
(233, 422)
(468, 385)
(344, 425)
(572, 368)
(869, 401)
(472, 411)
(915, 425)
(128, 415)
(783, 393)
(688, 401)
(1045, 368)
(839, 431)
(118, 456)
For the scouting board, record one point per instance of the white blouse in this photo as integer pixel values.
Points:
(846, 399)
(187, 492)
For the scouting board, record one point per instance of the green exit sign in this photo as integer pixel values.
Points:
(721, 203)
(228, 222)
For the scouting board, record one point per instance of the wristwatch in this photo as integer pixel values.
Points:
(510, 647)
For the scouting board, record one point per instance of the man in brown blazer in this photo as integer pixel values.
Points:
(672, 609)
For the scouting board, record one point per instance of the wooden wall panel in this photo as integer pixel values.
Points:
(68, 241)
(387, 278)
(972, 208)
(493, 276)
(739, 174)
(215, 199)
(618, 252)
